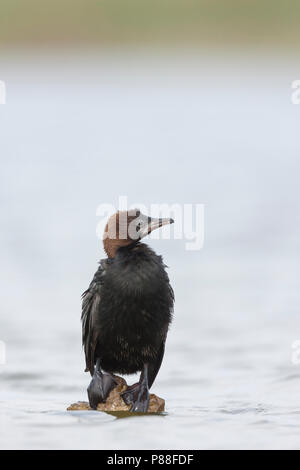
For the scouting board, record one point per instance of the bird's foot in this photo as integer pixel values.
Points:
(130, 394)
(142, 401)
(99, 388)
(138, 396)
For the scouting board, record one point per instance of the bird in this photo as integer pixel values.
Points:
(126, 311)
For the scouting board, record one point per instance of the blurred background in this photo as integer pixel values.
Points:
(190, 22)
(165, 102)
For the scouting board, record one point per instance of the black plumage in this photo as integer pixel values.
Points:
(126, 312)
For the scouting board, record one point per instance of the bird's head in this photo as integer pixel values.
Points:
(127, 227)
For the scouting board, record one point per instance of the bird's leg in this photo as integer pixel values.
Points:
(100, 386)
(140, 398)
(131, 394)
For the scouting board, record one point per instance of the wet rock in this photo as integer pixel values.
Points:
(114, 403)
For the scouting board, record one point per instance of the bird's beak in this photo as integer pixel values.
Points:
(156, 223)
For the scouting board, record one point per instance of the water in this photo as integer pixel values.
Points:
(79, 130)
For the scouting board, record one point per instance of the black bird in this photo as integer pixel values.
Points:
(126, 311)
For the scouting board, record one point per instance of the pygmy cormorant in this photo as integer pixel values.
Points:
(126, 311)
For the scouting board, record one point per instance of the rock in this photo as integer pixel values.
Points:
(115, 405)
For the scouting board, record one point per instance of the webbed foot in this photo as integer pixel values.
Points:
(138, 395)
(131, 393)
(99, 388)
(141, 401)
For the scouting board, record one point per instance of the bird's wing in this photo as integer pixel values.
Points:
(90, 309)
(154, 366)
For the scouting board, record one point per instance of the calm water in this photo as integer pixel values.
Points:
(79, 130)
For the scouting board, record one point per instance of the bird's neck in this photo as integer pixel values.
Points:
(113, 245)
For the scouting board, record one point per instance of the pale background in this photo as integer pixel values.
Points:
(174, 102)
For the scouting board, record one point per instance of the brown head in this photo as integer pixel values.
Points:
(127, 227)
